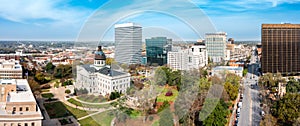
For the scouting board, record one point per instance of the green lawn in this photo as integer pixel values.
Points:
(47, 95)
(92, 98)
(103, 118)
(45, 90)
(58, 109)
(156, 123)
(162, 97)
(75, 102)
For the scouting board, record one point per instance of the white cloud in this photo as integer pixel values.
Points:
(55, 12)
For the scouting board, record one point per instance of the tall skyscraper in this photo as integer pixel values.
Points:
(280, 48)
(216, 45)
(128, 42)
(157, 50)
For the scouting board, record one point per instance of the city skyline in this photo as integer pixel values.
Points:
(62, 20)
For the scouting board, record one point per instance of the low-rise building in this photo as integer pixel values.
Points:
(99, 79)
(17, 104)
(192, 58)
(222, 70)
(10, 69)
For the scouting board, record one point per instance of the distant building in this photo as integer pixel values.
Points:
(99, 79)
(222, 70)
(128, 42)
(10, 69)
(216, 46)
(188, 59)
(280, 48)
(18, 106)
(157, 50)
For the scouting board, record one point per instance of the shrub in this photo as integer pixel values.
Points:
(169, 93)
(68, 91)
(150, 118)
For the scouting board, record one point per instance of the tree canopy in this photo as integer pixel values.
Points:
(287, 109)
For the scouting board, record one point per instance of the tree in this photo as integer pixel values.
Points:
(62, 71)
(109, 61)
(40, 78)
(245, 71)
(50, 67)
(166, 118)
(114, 95)
(293, 86)
(219, 115)
(160, 77)
(231, 90)
(287, 109)
(268, 120)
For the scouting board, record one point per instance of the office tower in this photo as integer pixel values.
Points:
(157, 50)
(280, 48)
(216, 46)
(128, 42)
(18, 106)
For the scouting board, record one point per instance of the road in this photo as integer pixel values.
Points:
(250, 111)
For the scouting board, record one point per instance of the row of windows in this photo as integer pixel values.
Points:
(21, 109)
(19, 124)
(11, 72)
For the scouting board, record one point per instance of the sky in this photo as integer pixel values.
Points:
(67, 19)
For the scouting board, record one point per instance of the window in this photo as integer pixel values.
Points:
(20, 108)
(32, 124)
(19, 124)
(25, 124)
(14, 108)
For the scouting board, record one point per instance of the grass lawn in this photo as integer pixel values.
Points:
(47, 95)
(156, 123)
(103, 118)
(45, 90)
(92, 98)
(75, 102)
(58, 109)
(162, 97)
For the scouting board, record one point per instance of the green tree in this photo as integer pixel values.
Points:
(231, 90)
(293, 86)
(245, 71)
(40, 78)
(50, 67)
(287, 109)
(219, 115)
(166, 118)
(62, 71)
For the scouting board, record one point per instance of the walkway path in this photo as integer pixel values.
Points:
(100, 111)
(90, 103)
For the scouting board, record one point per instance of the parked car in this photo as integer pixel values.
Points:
(240, 104)
(262, 113)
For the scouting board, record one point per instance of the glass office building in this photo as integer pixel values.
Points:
(157, 49)
(216, 46)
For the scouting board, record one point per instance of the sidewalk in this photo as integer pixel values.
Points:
(101, 103)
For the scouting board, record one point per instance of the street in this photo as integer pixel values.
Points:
(250, 111)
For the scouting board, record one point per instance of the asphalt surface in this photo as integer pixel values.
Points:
(250, 111)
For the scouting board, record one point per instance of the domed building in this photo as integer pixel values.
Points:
(99, 78)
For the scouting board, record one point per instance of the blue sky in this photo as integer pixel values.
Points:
(64, 19)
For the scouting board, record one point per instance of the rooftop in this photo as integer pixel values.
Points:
(23, 93)
(228, 68)
(103, 70)
(127, 25)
